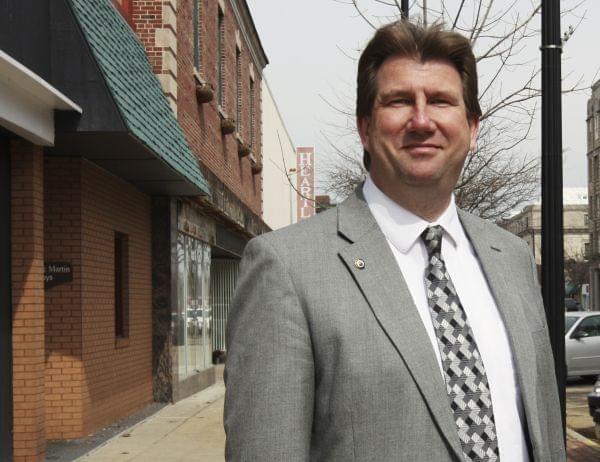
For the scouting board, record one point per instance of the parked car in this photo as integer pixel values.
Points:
(571, 304)
(594, 405)
(582, 343)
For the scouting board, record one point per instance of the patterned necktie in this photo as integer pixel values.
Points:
(464, 372)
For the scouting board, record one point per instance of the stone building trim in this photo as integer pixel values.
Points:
(166, 38)
(248, 30)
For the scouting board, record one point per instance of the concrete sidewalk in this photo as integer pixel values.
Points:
(192, 429)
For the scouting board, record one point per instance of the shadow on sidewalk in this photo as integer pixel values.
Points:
(578, 450)
(67, 451)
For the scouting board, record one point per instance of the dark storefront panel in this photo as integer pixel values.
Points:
(224, 275)
(5, 306)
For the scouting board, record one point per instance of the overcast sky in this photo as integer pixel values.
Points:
(312, 45)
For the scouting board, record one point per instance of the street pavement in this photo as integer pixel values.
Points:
(192, 430)
(582, 444)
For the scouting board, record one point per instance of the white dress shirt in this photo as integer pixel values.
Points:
(402, 230)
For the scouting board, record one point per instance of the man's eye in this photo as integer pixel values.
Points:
(440, 102)
(400, 101)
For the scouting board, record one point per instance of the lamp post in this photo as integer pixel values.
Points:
(553, 284)
(404, 9)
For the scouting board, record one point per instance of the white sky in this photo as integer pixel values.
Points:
(308, 43)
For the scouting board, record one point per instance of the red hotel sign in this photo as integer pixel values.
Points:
(305, 162)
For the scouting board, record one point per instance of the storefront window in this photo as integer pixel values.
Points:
(192, 304)
(179, 333)
(207, 304)
(194, 313)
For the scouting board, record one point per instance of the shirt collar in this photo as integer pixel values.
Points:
(402, 227)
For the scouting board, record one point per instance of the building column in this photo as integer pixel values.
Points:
(27, 236)
(6, 418)
(164, 295)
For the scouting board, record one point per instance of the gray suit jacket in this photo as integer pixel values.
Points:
(329, 362)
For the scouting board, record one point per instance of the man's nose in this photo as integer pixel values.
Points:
(420, 119)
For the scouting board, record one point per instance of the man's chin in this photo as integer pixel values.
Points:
(422, 179)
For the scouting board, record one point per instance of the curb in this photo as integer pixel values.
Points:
(114, 437)
(579, 437)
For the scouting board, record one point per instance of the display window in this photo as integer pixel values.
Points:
(193, 322)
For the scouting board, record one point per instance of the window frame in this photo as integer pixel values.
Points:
(221, 58)
(121, 285)
(595, 318)
(252, 113)
(238, 89)
(197, 35)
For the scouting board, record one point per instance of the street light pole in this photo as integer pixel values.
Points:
(404, 9)
(553, 285)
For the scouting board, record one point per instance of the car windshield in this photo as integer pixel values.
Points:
(569, 321)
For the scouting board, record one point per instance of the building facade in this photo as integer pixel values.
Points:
(593, 158)
(279, 153)
(126, 207)
(209, 60)
(527, 224)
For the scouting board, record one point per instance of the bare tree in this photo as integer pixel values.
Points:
(503, 172)
(577, 271)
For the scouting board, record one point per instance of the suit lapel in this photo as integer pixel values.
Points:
(385, 290)
(496, 265)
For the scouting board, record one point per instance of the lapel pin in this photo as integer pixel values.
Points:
(360, 264)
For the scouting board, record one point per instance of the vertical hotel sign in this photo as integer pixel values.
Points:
(305, 162)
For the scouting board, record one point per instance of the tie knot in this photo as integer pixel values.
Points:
(432, 237)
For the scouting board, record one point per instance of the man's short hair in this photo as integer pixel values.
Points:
(402, 38)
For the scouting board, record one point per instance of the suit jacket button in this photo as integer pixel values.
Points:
(360, 264)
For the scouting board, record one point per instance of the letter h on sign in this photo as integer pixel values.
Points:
(305, 182)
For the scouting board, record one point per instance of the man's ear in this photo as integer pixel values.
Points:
(363, 125)
(474, 129)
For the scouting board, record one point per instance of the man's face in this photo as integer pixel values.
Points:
(418, 133)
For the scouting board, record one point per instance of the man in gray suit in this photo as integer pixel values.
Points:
(395, 327)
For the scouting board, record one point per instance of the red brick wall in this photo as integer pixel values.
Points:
(64, 370)
(27, 196)
(147, 17)
(91, 378)
(201, 122)
(118, 377)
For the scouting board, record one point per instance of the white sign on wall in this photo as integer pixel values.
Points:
(305, 161)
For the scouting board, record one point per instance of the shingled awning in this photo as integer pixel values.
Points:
(127, 126)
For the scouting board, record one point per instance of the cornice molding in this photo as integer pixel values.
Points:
(248, 30)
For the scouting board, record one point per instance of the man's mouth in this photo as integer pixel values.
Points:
(421, 146)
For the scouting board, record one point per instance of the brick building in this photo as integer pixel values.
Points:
(126, 203)
(593, 157)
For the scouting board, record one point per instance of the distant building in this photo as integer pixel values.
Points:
(593, 154)
(279, 174)
(527, 224)
(323, 203)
